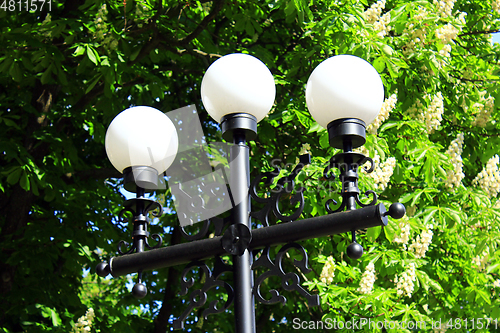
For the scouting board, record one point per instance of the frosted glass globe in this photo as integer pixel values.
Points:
(141, 136)
(238, 83)
(344, 86)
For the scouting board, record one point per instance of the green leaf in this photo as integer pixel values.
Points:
(387, 126)
(315, 128)
(480, 248)
(15, 72)
(154, 55)
(390, 231)
(454, 216)
(5, 65)
(34, 186)
(495, 313)
(50, 194)
(93, 55)
(249, 28)
(134, 54)
(93, 83)
(14, 176)
(24, 181)
(482, 295)
(373, 233)
(304, 118)
(406, 197)
(84, 251)
(379, 64)
(50, 313)
(80, 50)
(492, 268)
(47, 75)
(387, 50)
(61, 75)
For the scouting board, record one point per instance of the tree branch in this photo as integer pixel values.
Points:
(161, 320)
(483, 32)
(216, 8)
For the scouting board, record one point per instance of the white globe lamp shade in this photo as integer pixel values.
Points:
(238, 83)
(141, 136)
(344, 86)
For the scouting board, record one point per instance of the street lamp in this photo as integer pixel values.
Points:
(344, 94)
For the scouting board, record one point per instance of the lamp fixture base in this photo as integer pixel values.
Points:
(240, 122)
(145, 177)
(347, 130)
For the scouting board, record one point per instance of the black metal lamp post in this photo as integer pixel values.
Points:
(343, 94)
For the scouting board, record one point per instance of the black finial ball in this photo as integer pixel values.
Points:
(397, 210)
(102, 269)
(139, 290)
(354, 250)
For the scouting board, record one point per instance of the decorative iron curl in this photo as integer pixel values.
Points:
(198, 297)
(367, 194)
(218, 222)
(348, 164)
(289, 281)
(158, 239)
(341, 161)
(193, 208)
(284, 186)
(139, 208)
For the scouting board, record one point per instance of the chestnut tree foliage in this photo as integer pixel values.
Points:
(65, 73)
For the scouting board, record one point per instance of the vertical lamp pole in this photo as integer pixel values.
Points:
(343, 94)
(238, 90)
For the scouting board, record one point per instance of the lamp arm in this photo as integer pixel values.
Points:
(281, 233)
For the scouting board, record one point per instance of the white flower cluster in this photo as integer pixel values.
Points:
(84, 323)
(433, 115)
(404, 236)
(489, 178)
(141, 13)
(382, 172)
(461, 18)
(445, 54)
(454, 151)
(328, 272)
(46, 32)
(373, 13)
(101, 30)
(367, 279)
(441, 329)
(382, 25)
(405, 282)
(305, 149)
(421, 244)
(100, 23)
(483, 109)
(495, 4)
(387, 106)
(416, 33)
(496, 284)
(447, 33)
(444, 7)
(481, 260)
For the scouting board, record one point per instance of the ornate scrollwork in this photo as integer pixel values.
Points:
(200, 201)
(289, 281)
(348, 164)
(218, 222)
(131, 205)
(139, 208)
(198, 297)
(284, 186)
